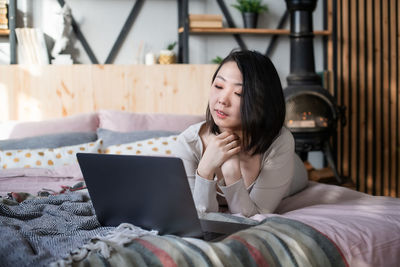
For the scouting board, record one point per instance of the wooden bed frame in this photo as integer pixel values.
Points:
(35, 92)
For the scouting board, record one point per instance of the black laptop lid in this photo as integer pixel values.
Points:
(149, 192)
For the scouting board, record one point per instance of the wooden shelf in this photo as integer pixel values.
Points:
(244, 31)
(4, 32)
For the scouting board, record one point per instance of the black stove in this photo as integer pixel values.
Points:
(311, 111)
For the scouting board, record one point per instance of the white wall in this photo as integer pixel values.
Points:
(156, 27)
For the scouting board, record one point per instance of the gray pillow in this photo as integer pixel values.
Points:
(48, 141)
(115, 138)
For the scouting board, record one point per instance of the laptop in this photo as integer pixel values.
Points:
(147, 191)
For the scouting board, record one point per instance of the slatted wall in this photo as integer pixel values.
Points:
(367, 84)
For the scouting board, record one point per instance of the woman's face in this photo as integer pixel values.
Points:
(225, 97)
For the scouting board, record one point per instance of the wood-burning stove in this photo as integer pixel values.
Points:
(311, 111)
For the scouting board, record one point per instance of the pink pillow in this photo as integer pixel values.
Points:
(124, 121)
(87, 122)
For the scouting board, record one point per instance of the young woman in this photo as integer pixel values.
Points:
(242, 156)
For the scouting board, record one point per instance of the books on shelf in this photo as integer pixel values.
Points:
(3, 20)
(3, 15)
(205, 24)
(205, 21)
(32, 47)
(205, 17)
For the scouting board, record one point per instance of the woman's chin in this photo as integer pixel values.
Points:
(225, 127)
(224, 124)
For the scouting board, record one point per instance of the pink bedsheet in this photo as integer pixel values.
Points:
(366, 228)
(32, 180)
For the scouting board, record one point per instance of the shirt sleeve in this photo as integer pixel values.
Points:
(205, 194)
(203, 190)
(272, 183)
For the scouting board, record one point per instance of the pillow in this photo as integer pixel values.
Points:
(159, 146)
(124, 121)
(88, 122)
(47, 158)
(48, 141)
(113, 138)
(6, 128)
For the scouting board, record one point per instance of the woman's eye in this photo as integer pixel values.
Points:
(218, 87)
(238, 94)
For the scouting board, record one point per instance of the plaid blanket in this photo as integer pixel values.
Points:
(62, 230)
(277, 241)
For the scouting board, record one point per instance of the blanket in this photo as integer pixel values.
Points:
(275, 242)
(52, 230)
(41, 230)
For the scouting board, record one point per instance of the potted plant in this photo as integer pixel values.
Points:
(168, 56)
(250, 10)
(217, 60)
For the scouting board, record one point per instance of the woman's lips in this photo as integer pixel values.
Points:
(221, 114)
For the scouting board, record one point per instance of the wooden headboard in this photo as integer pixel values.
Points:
(44, 92)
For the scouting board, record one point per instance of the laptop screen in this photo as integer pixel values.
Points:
(149, 192)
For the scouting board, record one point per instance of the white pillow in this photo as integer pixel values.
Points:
(159, 146)
(6, 128)
(47, 158)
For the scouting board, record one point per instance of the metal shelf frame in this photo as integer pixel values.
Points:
(184, 31)
(12, 8)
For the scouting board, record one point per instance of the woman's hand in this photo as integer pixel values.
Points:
(219, 149)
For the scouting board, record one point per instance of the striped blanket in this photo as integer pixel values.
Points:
(43, 231)
(277, 241)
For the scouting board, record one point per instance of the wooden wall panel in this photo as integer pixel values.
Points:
(370, 63)
(43, 92)
(353, 97)
(393, 101)
(340, 83)
(385, 100)
(346, 74)
(361, 96)
(377, 98)
(368, 86)
(393, 96)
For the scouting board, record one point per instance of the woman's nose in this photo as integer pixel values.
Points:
(223, 99)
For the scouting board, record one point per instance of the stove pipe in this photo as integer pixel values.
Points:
(302, 66)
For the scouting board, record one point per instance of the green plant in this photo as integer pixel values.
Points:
(252, 6)
(217, 60)
(171, 46)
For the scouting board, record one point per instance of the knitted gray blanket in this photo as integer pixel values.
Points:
(39, 231)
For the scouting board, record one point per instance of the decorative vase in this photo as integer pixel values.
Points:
(150, 59)
(250, 19)
(167, 57)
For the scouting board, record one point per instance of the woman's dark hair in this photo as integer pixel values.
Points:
(262, 107)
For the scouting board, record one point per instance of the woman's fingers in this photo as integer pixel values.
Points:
(227, 137)
(233, 144)
(232, 138)
(228, 141)
(233, 151)
(223, 135)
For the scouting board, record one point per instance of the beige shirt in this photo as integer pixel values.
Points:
(275, 181)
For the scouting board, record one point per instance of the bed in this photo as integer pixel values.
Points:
(46, 216)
